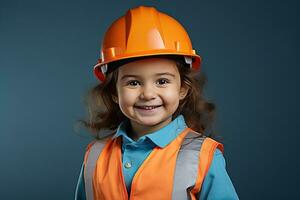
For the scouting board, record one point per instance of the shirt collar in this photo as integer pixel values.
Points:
(161, 137)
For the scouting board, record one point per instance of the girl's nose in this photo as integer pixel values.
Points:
(148, 93)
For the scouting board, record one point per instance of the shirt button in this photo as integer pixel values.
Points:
(127, 165)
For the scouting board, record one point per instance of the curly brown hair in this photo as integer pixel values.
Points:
(105, 114)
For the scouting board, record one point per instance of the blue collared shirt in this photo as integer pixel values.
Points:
(216, 185)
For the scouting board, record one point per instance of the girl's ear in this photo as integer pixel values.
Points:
(115, 99)
(183, 92)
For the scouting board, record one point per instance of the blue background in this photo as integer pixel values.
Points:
(250, 53)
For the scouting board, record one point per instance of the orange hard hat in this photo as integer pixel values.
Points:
(144, 31)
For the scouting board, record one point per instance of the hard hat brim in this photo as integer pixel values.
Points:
(195, 64)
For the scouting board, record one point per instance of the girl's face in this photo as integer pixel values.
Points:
(148, 93)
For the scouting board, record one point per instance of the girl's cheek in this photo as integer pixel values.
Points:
(127, 97)
(171, 94)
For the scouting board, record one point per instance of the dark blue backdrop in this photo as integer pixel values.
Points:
(250, 53)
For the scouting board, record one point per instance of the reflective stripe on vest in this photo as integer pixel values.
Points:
(90, 160)
(173, 172)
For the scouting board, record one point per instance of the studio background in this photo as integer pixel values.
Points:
(250, 52)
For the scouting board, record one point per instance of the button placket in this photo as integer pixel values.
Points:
(127, 162)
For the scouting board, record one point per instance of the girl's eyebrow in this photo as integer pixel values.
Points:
(165, 73)
(128, 76)
(157, 74)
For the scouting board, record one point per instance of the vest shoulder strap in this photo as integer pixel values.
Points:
(192, 164)
(90, 159)
(206, 155)
(187, 163)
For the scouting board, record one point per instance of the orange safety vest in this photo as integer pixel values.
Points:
(173, 172)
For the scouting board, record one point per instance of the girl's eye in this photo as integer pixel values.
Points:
(163, 81)
(133, 83)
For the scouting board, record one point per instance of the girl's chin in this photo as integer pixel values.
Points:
(150, 122)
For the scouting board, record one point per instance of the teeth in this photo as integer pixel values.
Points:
(148, 107)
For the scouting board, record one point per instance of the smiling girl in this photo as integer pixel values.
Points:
(152, 118)
(148, 93)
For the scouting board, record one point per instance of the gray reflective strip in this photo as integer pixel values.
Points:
(186, 168)
(90, 167)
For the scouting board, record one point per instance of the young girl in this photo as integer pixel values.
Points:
(152, 117)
